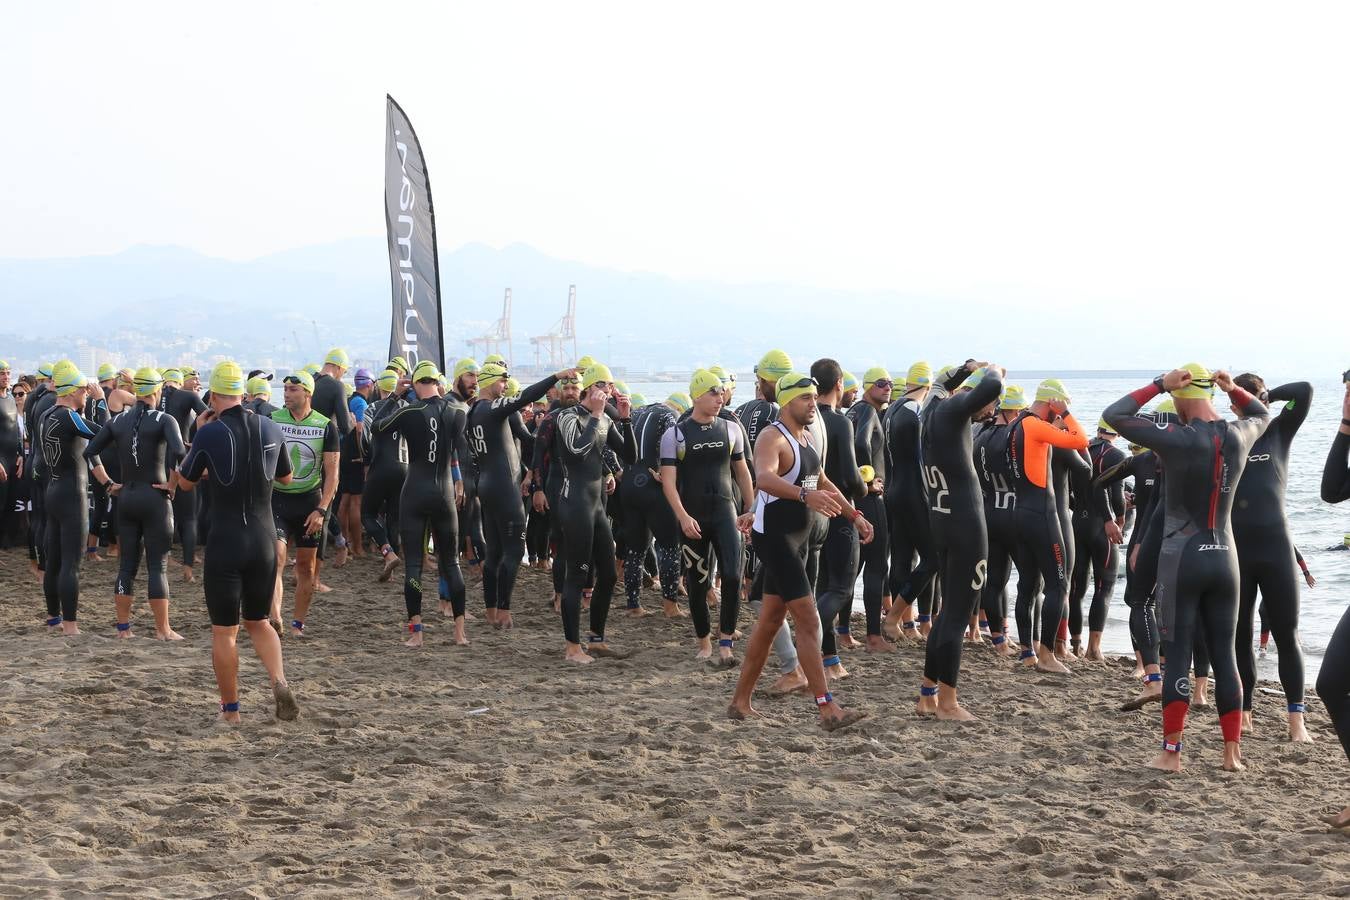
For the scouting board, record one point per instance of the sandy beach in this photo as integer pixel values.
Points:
(496, 770)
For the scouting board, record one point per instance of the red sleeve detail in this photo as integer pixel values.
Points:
(1239, 396)
(1145, 394)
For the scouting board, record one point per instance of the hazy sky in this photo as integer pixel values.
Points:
(1190, 154)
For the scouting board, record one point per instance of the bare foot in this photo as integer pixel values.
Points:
(390, 564)
(891, 628)
(673, 610)
(447, 609)
(1152, 694)
(1005, 649)
(844, 719)
(297, 632)
(878, 644)
(169, 635)
(1298, 731)
(415, 641)
(1050, 664)
(322, 588)
(704, 651)
(790, 683)
(94, 557)
(1093, 655)
(1232, 757)
(490, 615)
(461, 633)
(340, 558)
(836, 672)
(188, 576)
(228, 718)
(1246, 721)
(926, 706)
(504, 621)
(955, 714)
(578, 656)
(741, 713)
(1338, 820)
(287, 709)
(847, 642)
(1166, 762)
(1138, 671)
(638, 612)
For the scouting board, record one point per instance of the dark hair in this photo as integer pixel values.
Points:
(1252, 384)
(827, 374)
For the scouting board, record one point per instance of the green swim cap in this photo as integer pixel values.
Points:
(399, 365)
(595, 374)
(728, 379)
(848, 382)
(920, 374)
(388, 380)
(172, 375)
(490, 374)
(302, 378)
(1013, 398)
(426, 371)
(773, 365)
(681, 401)
(311, 368)
(621, 388)
(973, 380)
(1167, 406)
(875, 374)
(146, 381)
(465, 366)
(1052, 389)
(348, 389)
(704, 380)
(1201, 386)
(512, 387)
(4, 366)
(227, 379)
(67, 378)
(585, 362)
(793, 385)
(106, 372)
(45, 369)
(1103, 425)
(259, 386)
(637, 400)
(494, 358)
(338, 357)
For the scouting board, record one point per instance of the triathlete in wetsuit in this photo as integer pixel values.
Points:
(1000, 512)
(1333, 680)
(1197, 569)
(388, 468)
(1097, 517)
(582, 431)
(869, 447)
(492, 420)
(1040, 538)
(39, 403)
(182, 403)
(646, 512)
(911, 533)
(1266, 561)
(243, 453)
(62, 438)
(956, 507)
(11, 448)
(433, 428)
(1067, 468)
(702, 459)
(463, 389)
(148, 445)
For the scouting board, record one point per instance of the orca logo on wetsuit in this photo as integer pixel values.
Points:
(1259, 457)
(708, 445)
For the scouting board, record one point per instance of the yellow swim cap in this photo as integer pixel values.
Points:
(848, 382)
(512, 387)
(728, 378)
(172, 376)
(494, 358)
(259, 386)
(490, 374)
(349, 389)
(311, 368)
(868, 474)
(1013, 398)
(774, 365)
(227, 379)
(399, 365)
(637, 400)
(621, 388)
(106, 372)
(67, 378)
(793, 385)
(973, 379)
(1103, 425)
(147, 381)
(465, 366)
(45, 369)
(338, 357)
(1201, 386)
(4, 366)
(585, 362)
(1051, 389)
(1167, 406)
(426, 371)
(875, 374)
(595, 374)
(680, 401)
(388, 380)
(302, 378)
(920, 374)
(704, 380)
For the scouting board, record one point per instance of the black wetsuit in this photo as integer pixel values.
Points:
(63, 436)
(330, 399)
(11, 447)
(956, 508)
(782, 529)
(1000, 519)
(1265, 550)
(839, 553)
(646, 514)
(147, 444)
(492, 440)
(1197, 589)
(1069, 468)
(40, 402)
(1093, 508)
(433, 430)
(1146, 539)
(261, 406)
(703, 456)
(184, 406)
(388, 468)
(906, 504)
(588, 544)
(869, 448)
(1333, 680)
(243, 453)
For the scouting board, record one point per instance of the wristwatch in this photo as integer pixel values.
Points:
(803, 494)
(1158, 383)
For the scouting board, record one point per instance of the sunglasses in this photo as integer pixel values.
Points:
(800, 383)
(292, 379)
(19, 395)
(887, 385)
(569, 381)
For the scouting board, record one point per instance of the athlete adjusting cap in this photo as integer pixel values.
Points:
(848, 382)
(490, 374)
(973, 379)
(146, 381)
(399, 365)
(338, 357)
(875, 374)
(793, 385)
(1013, 398)
(227, 379)
(465, 366)
(67, 378)
(919, 375)
(704, 380)
(1201, 386)
(426, 371)
(595, 375)
(773, 365)
(106, 372)
(302, 378)
(259, 386)
(1051, 390)
(680, 401)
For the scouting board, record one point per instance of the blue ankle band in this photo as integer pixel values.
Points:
(594, 639)
(1171, 746)
(297, 625)
(230, 707)
(997, 639)
(841, 629)
(126, 626)
(928, 691)
(908, 625)
(824, 698)
(55, 620)
(831, 660)
(725, 642)
(414, 627)
(1297, 708)
(1154, 678)
(1026, 654)
(924, 620)
(984, 624)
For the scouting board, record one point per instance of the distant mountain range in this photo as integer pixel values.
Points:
(292, 305)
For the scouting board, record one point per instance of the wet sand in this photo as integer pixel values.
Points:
(623, 777)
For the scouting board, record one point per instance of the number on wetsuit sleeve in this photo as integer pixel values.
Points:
(937, 482)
